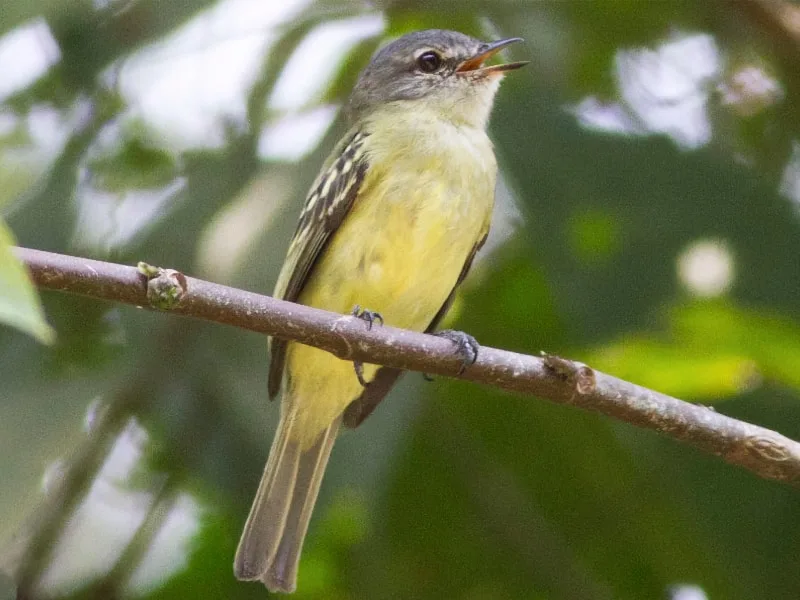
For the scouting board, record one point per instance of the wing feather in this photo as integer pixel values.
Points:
(327, 204)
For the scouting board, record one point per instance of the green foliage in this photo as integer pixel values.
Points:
(710, 351)
(595, 236)
(137, 163)
(639, 130)
(19, 305)
(208, 571)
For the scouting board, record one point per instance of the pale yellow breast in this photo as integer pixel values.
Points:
(421, 210)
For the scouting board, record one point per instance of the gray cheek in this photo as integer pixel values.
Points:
(407, 89)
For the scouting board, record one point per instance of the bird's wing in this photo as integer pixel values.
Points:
(329, 200)
(375, 391)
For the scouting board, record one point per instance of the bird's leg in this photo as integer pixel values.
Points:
(370, 316)
(466, 346)
(359, 367)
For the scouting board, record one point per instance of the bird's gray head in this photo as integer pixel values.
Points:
(437, 69)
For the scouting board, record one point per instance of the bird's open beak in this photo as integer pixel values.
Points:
(475, 64)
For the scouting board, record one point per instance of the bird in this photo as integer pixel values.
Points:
(392, 223)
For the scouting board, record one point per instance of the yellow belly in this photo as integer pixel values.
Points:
(399, 252)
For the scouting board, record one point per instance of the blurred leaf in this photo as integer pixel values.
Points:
(459, 491)
(17, 169)
(595, 235)
(208, 572)
(710, 351)
(508, 302)
(678, 370)
(625, 24)
(771, 340)
(324, 562)
(346, 76)
(425, 16)
(8, 590)
(136, 163)
(91, 335)
(344, 523)
(20, 306)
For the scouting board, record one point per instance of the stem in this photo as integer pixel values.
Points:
(760, 450)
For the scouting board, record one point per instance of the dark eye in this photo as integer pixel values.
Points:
(429, 61)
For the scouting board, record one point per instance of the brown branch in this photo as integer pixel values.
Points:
(762, 451)
(778, 15)
(778, 20)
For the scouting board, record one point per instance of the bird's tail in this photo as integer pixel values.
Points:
(273, 535)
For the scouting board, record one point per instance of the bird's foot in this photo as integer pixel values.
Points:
(359, 368)
(368, 316)
(466, 346)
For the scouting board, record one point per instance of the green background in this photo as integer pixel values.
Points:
(450, 490)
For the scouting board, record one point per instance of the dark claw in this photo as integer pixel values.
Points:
(466, 346)
(370, 316)
(359, 367)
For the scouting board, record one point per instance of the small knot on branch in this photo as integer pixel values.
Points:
(767, 449)
(578, 375)
(165, 287)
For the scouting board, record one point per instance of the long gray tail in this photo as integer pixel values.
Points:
(273, 535)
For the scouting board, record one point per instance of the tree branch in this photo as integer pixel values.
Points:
(778, 18)
(762, 451)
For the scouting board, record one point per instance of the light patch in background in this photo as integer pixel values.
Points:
(108, 220)
(613, 118)
(790, 181)
(749, 90)
(170, 548)
(26, 53)
(8, 122)
(53, 475)
(227, 239)
(687, 592)
(106, 4)
(506, 219)
(318, 57)
(102, 526)
(706, 268)
(194, 84)
(663, 91)
(293, 136)
(49, 128)
(33, 141)
(94, 413)
(105, 522)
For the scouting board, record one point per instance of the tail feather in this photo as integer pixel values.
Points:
(273, 535)
(309, 478)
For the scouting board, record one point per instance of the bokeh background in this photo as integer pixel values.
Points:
(648, 223)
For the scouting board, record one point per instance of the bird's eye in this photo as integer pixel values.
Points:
(429, 61)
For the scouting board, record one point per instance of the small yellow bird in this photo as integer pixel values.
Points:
(392, 222)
